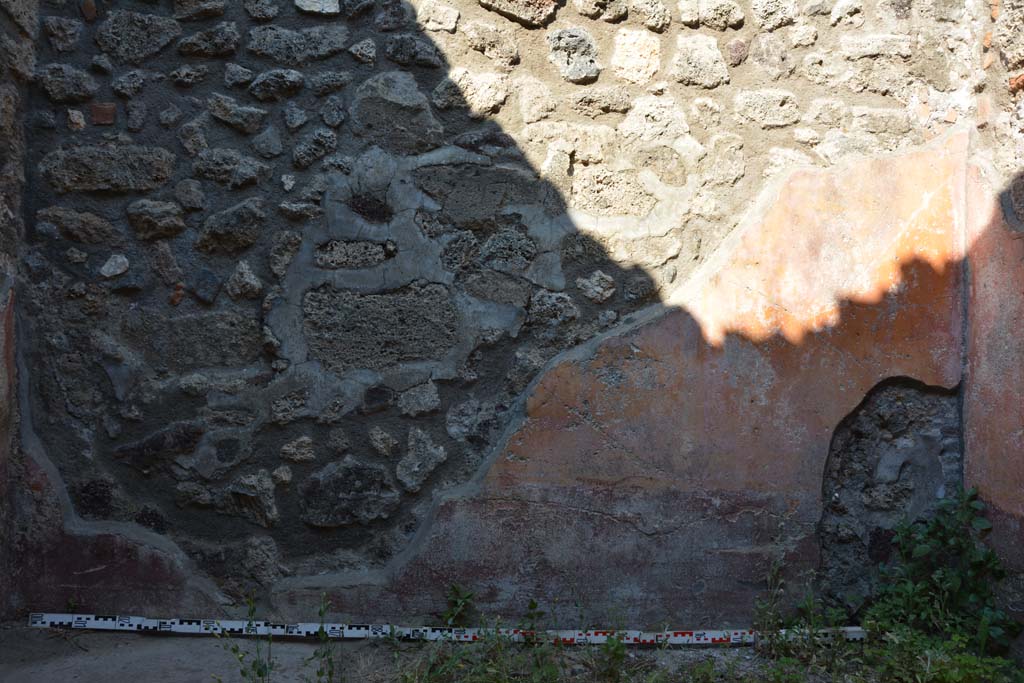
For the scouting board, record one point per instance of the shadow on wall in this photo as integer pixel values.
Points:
(334, 285)
(659, 472)
(361, 408)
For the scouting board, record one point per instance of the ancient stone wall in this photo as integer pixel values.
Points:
(18, 31)
(292, 272)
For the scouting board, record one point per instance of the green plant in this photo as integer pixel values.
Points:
(441, 663)
(531, 626)
(904, 655)
(934, 619)
(610, 660)
(768, 618)
(494, 659)
(460, 605)
(703, 672)
(534, 615)
(943, 581)
(813, 638)
(325, 656)
(787, 670)
(257, 666)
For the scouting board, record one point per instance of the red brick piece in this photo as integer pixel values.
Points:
(89, 11)
(103, 113)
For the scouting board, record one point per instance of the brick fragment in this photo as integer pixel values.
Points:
(103, 113)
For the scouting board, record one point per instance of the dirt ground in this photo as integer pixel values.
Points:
(50, 656)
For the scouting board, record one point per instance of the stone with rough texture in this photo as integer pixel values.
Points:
(328, 82)
(227, 167)
(653, 13)
(598, 101)
(574, 53)
(654, 119)
(493, 42)
(116, 265)
(419, 400)
(437, 16)
(313, 147)
(344, 330)
(411, 50)
(276, 84)
(529, 13)
(769, 108)
(421, 458)
(535, 99)
(599, 287)
(481, 93)
(322, 7)
(875, 45)
(772, 14)
(261, 10)
(297, 47)
(84, 227)
(364, 51)
(220, 41)
(382, 441)
(636, 56)
(243, 283)
(299, 450)
(194, 10)
(720, 14)
(609, 193)
(63, 33)
(233, 229)
(155, 220)
(335, 254)
(130, 84)
(347, 492)
(226, 109)
(736, 51)
(252, 496)
(118, 168)
(1007, 35)
(610, 11)
(770, 54)
(133, 37)
(189, 76)
(66, 84)
(698, 61)
(389, 110)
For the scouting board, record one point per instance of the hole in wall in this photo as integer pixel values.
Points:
(890, 460)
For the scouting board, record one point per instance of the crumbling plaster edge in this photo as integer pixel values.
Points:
(583, 352)
(73, 524)
(197, 581)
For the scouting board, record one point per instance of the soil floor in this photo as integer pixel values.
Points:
(52, 656)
